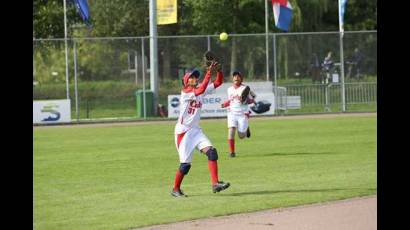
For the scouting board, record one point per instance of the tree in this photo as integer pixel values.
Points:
(322, 15)
(114, 18)
(131, 17)
(361, 15)
(312, 13)
(232, 16)
(48, 18)
(119, 18)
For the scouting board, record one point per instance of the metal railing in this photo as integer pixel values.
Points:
(327, 97)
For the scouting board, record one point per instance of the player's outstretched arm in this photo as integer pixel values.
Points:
(219, 79)
(204, 85)
(201, 89)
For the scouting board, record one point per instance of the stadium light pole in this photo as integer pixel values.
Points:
(66, 50)
(267, 39)
(153, 51)
(267, 56)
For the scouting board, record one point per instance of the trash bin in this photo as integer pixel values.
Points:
(149, 102)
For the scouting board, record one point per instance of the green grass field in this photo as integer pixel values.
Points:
(120, 177)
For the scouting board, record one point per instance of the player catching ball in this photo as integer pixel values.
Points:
(188, 134)
(239, 96)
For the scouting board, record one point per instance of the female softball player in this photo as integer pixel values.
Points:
(188, 134)
(239, 96)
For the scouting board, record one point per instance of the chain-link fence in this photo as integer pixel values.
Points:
(109, 77)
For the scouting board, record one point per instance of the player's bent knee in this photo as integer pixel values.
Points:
(212, 154)
(184, 168)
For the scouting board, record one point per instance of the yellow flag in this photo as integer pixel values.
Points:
(166, 12)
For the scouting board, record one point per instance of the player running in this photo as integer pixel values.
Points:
(188, 134)
(239, 96)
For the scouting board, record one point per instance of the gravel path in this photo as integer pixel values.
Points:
(350, 214)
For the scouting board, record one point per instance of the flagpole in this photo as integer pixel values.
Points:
(267, 40)
(153, 68)
(341, 31)
(66, 50)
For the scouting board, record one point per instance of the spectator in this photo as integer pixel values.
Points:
(327, 67)
(355, 63)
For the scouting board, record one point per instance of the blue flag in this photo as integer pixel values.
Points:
(83, 9)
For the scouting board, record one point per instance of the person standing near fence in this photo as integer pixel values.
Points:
(239, 96)
(327, 67)
(355, 63)
(188, 134)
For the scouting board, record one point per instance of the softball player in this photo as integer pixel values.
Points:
(239, 96)
(188, 134)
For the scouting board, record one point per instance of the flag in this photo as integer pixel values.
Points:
(83, 9)
(166, 12)
(282, 12)
(342, 5)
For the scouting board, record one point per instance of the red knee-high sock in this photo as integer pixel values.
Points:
(213, 169)
(178, 180)
(231, 145)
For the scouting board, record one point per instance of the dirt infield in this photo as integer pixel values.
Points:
(350, 214)
(133, 123)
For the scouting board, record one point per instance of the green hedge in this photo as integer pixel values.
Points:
(86, 90)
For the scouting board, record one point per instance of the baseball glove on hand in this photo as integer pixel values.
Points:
(245, 94)
(210, 60)
(214, 67)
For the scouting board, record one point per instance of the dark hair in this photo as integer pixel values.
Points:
(236, 73)
(195, 73)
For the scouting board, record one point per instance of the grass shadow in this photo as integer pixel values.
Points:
(265, 192)
(288, 154)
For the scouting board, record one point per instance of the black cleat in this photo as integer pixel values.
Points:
(220, 186)
(178, 193)
(248, 132)
(245, 94)
(232, 154)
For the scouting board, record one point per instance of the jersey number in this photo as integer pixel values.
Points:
(191, 110)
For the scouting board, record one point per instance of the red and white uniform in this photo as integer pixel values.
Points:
(238, 113)
(188, 134)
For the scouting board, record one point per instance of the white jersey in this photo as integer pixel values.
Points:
(234, 97)
(190, 109)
